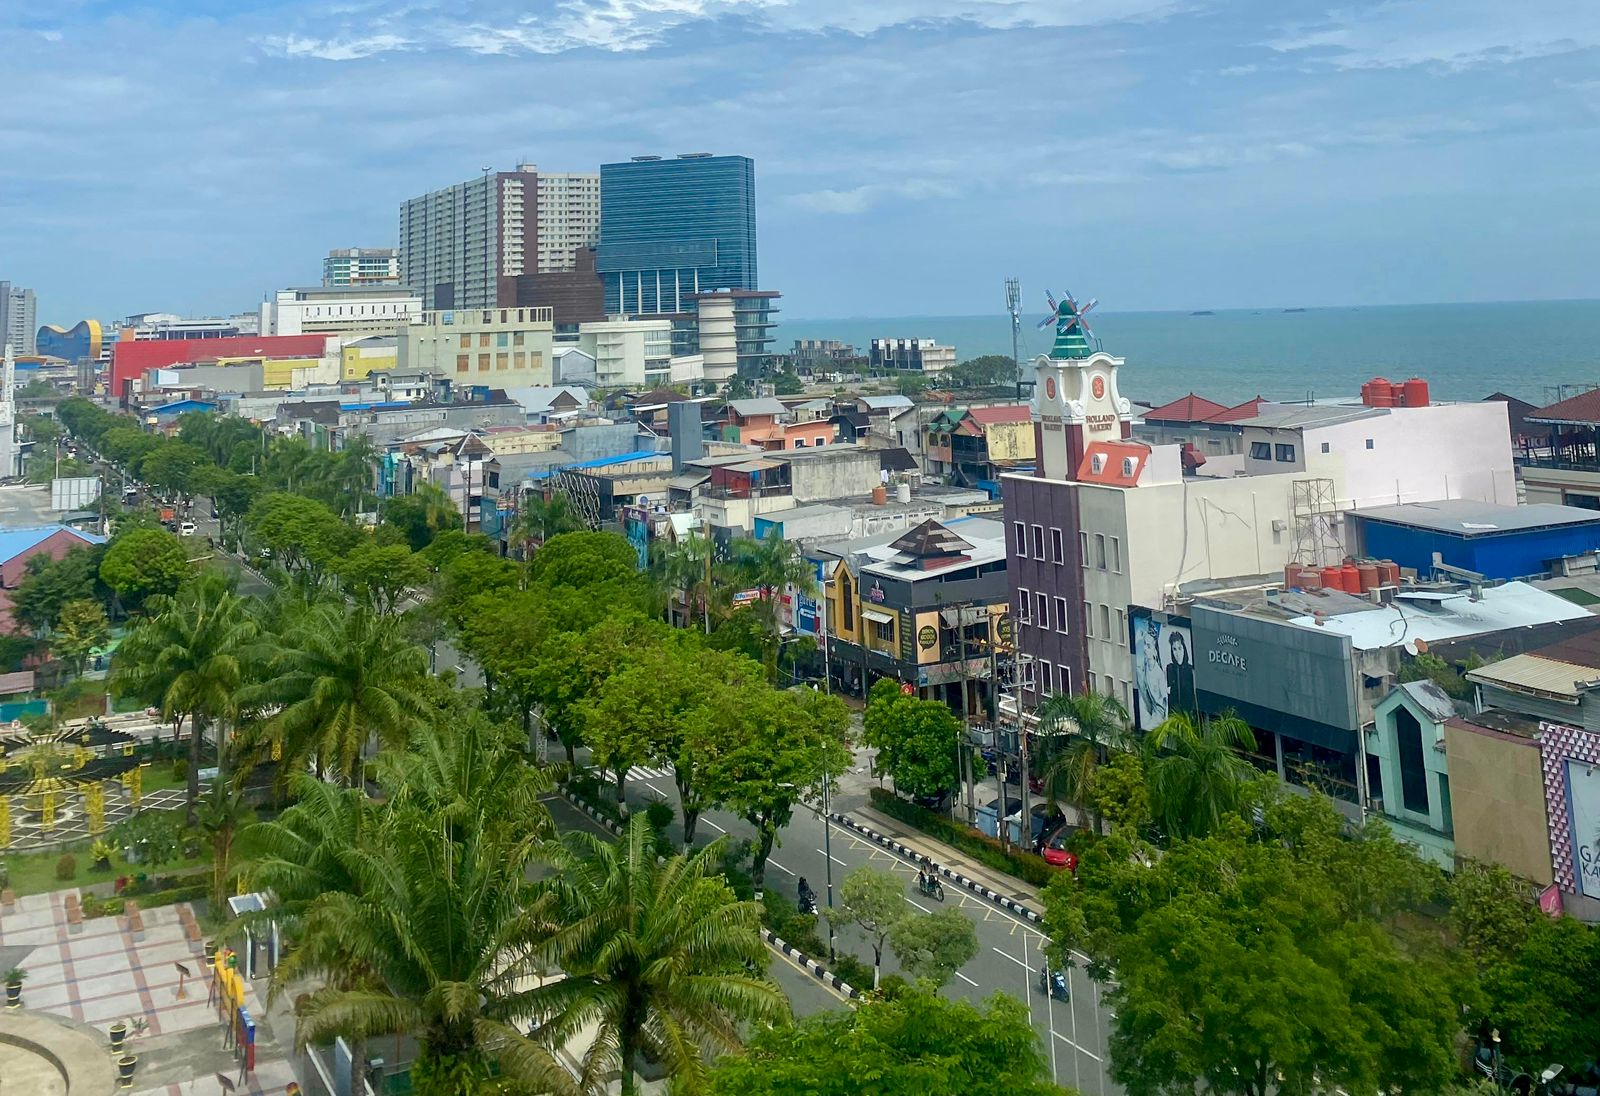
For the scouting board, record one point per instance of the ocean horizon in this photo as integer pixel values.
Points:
(1539, 351)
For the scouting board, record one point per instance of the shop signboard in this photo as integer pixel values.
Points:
(1267, 667)
(1583, 789)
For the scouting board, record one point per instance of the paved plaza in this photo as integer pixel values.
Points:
(104, 969)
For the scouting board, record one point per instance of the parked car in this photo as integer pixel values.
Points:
(1055, 850)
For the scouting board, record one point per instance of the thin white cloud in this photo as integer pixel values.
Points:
(1458, 34)
(338, 49)
(868, 196)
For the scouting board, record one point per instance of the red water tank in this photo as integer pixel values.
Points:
(1366, 394)
(1415, 392)
(1378, 392)
(1369, 576)
(1352, 578)
(1291, 576)
(1333, 578)
(1388, 573)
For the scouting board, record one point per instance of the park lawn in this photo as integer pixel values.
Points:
(35, 872)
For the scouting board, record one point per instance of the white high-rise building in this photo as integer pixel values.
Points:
(19, 319)
(361, 266)
(569, 217)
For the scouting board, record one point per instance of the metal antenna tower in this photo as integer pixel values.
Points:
(1314, 512)
(1014, 306)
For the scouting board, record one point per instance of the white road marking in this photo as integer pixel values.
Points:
(1011, 957)
(713, 825)
(919, 905)
(835, 859)
(1075, 1046)
(965, 979)
(779, 866)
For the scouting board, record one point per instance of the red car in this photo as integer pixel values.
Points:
(1055, 850)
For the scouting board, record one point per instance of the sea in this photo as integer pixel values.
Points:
(1539, 351)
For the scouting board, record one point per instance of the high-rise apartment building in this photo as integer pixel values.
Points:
(673, 228)
(361, 266)
(18, 319)
(510, 239)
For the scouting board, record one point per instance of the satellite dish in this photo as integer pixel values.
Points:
(1410, 647)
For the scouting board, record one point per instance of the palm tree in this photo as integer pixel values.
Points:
(346, 678)
(690, 567)
(223, 813)
(353, 474)
(543, 518)
(1194, 772)
(310, 849)
(659, 957)
(188, 656)
(1097, 724)
(770, 565)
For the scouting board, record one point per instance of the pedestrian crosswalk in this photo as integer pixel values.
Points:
(639, 772)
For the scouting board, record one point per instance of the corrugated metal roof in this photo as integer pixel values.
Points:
(1532, 674)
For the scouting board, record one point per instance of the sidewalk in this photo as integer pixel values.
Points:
(948, 857)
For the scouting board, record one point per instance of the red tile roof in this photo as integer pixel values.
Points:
(1190, 408)
(1109, 455)
(1582, 409)
(1249, 409)
(991, 416)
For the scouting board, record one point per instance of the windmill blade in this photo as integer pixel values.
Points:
(1051, 297)
(1048, 321)
(1088, 306)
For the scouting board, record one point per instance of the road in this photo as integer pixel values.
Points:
(1009, 949)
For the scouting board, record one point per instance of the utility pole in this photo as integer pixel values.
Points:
(1014, 306)
(1001, 829)
(1022, 752)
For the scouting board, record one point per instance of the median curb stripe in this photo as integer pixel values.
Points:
(972, 885)
(801, 959)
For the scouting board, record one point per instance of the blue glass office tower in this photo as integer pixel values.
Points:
(671, 228)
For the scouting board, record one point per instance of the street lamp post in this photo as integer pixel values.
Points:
(827, 854)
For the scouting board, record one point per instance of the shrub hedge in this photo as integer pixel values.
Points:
(983, 848)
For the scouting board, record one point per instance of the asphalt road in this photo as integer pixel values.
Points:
(806, 994)
(1009, 955)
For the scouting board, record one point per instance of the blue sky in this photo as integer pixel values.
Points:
(190, 155)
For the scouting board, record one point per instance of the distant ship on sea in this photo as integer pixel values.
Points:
(1294, 310)
(1204, 312)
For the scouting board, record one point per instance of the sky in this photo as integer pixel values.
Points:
(192, 155)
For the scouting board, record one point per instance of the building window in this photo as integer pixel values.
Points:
(1061, 614)
(1260, 450)
(1413, 769)
(1285, 453)
(1028, 677)
(884, 630)
(1326, 447)
(1024, 607)
(1369, 443)
(1064, 676)
(1038, 542)
(1100, 551)
(519, 359)
(502, 361)
(462, 362)
(1088, 620)
(1122, 628)
(1044, 678)
(1116, 554)
(502, 339)
(466, 341)
(1091, 682)
(1127, 699)
(1041, 606)
(519, 338)
(1105, 622)
(483, 339)
(483, 363)
(1058, 548)
(1022, 538)
(1083, 549)
(799, 443)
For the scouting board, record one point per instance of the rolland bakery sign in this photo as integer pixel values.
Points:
(1225, 654)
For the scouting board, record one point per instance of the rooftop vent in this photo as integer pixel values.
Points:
(644, 159)
(694, 155)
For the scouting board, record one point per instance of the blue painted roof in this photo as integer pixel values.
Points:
(14, 542)
(597, 462)
(180, 406)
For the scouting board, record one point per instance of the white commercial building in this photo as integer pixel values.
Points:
(19, 319)
(358, 311)
(628, 353)
(719, 344)
(361, 266)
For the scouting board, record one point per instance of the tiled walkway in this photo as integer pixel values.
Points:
(101, 974)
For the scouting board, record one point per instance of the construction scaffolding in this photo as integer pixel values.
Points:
(1315, 512)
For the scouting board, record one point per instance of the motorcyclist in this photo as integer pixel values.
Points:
(808, 898)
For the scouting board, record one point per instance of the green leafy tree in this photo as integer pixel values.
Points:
(153, 837)
(380, 577)
(422, 516)
(659, 958)
(1195, 774)
(1118, 793)
(143, 563)
(984, 371)
(914, 1043)
(584, 560)
(82, 628)
(786, 383)
(543, 518)
(1082, 729)
(792, 739)
(48, 585)
(189, 657)
(171, 466)
(916, 740)
(346, 679)
(934, 945)
(127, 445)
(875, 903)
(304, 535)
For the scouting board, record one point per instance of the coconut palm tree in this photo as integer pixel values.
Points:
(770, 565)
(658, 956)
(690, 567)
(1195, 775)
(188, 657)
(1085, 727)
(347, 677)
(543, 518)
(223, 813)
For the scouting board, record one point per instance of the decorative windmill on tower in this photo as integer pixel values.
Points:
(1076, 398)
